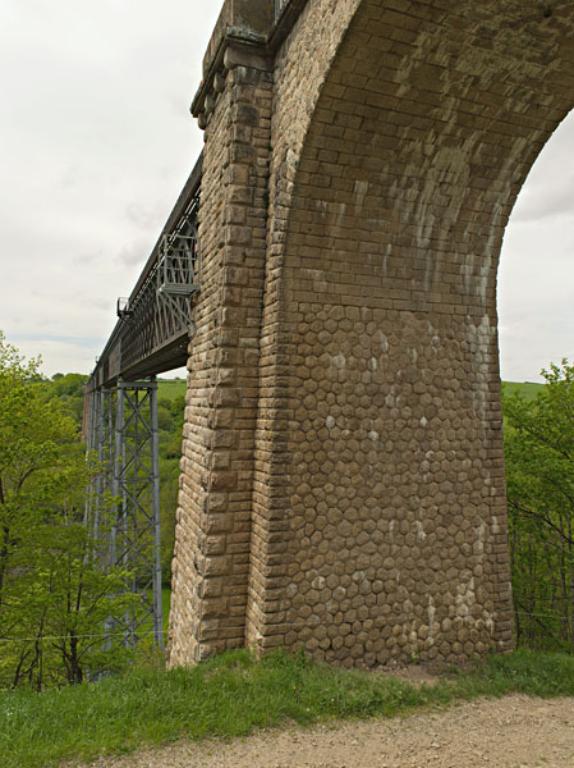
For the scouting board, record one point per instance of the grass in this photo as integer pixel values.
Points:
(527, 389)
(233, 695)
(170, 389)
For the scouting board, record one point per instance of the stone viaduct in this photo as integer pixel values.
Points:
(342, 479)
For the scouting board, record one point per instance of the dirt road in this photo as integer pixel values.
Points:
(515, 732)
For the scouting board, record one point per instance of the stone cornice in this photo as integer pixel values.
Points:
(245, 35)
(235, 49)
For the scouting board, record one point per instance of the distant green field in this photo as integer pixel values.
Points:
(526, 389)
(170, 389)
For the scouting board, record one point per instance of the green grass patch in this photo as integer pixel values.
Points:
(233, 695)
(170, 389)
(526, 389)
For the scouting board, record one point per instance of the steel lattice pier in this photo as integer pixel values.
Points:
(123, 508)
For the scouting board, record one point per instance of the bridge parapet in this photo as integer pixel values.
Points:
(256, 27)
(248, 20)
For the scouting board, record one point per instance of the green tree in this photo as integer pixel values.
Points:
(54, 596)
(69, 389)
(171, 428)
(539, 449)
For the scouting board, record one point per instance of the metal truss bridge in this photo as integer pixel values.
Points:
(120, 413)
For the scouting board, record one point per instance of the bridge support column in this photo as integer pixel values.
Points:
(211, 563)
(122, 432)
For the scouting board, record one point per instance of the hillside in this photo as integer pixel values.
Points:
(526, 389)
(171, 389)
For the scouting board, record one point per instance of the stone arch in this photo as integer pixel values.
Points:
(379, 523)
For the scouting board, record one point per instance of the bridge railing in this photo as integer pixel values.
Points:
(154, 323)
(160, 312)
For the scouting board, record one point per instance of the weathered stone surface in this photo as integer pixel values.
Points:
(343, 478)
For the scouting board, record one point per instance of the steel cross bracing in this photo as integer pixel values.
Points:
(123, 507)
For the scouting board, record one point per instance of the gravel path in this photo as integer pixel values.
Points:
(515, 732)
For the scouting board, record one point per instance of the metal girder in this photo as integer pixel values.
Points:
(98, 444)
(123, 508)
(161, 310)
(154, 323)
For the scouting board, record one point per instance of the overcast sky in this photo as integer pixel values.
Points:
(96, 141)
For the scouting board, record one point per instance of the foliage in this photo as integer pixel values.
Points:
(68, 389)
(232, 695)
(53, 597)
(170, 417)
(539, 449)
